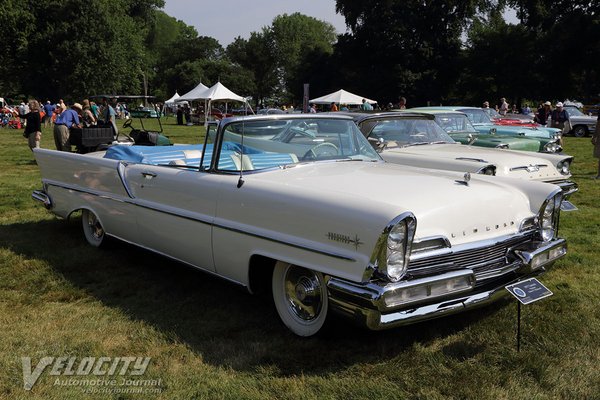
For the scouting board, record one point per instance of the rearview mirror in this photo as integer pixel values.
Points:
(378, 143)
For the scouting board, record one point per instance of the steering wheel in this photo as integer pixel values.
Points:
(321, 150)
(127, 123)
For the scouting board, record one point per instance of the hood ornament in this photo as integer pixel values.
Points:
(466, 179)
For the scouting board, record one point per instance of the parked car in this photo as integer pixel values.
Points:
(415, 139)
(458, 126)
(581, 125)
(548, 137)
(316, 217)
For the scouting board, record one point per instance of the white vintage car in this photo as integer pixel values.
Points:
(417, 139)
(313, 214)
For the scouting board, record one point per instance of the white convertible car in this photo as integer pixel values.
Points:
(313, 214)
(417, 139)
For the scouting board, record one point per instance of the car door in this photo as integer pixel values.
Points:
(175, 210)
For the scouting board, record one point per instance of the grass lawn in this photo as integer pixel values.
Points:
(208, 339)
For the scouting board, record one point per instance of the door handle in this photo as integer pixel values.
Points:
(148, 175)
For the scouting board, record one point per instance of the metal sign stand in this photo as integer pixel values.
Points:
(526, 292)
(518, 326)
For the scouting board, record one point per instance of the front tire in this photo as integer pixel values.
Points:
(580, 131)
(300, 297)
(92, 229)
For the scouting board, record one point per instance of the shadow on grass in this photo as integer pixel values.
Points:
(219, 321)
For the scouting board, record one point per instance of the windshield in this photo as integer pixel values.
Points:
(406, 131)
(452, 123)
(574, 112)
(491, 112)
(261, 144)
(477, 116)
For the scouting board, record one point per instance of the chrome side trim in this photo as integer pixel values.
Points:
(121, 171)
(471, 159)
(203, 221)
(529, 168)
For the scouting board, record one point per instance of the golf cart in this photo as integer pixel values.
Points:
(103, 135)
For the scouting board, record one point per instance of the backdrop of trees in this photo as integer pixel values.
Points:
(447, 51)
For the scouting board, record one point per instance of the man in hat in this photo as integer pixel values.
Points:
(66, 120)
(559, 118)
(541, 117)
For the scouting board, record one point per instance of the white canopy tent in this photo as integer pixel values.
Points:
(196, 93)
(217, 92)
(341, 97)
(170, 104)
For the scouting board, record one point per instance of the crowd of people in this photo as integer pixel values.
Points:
(64, 119)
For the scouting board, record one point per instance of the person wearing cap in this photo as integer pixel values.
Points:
(68, 119)
(559, 117)
(486, 104)
(541, 117)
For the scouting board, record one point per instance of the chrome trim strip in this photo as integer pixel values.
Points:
(471, 159)
(121, 171)
(178, 260)
(192, 218)
(527, 167)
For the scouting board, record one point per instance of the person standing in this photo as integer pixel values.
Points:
(312, 109)
(49, 110)
(64, 122)
(559, 118)
(109, 116)
(596, 143)
(333, 107)
(503, 106)
(179, 115)
(365, 106)
(541, 117)
(486, 105)
(94, 109)
(33, 128)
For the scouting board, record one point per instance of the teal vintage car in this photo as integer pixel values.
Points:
(549, 138)
(461, 130)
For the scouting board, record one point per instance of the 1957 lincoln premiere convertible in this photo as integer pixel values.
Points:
(303, 206)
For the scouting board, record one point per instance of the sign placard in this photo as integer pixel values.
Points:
(529, 291)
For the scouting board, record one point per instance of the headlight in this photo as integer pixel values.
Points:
(548, 217)
(564, 167)
(393, 248)
(552, 147)
(489, 170)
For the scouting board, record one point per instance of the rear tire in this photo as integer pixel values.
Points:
(92, 229)
(300, 297)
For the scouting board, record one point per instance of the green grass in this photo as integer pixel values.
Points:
(210, 340)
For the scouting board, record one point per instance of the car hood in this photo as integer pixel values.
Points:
(513, 164)
(367, 195)
(547, 133)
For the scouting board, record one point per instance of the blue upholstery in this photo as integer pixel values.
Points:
(268, 160)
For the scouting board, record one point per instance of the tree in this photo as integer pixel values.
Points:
(407, 48)
(257, 58)
(294, 37)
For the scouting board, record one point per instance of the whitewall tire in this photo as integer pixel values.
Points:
(300, 296)
(92, 229)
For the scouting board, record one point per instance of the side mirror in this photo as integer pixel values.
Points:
(378, 143)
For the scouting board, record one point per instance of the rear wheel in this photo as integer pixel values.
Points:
(580, 131)
(92, 229)
(300, 296)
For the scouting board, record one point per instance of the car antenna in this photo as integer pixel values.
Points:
(241, 180)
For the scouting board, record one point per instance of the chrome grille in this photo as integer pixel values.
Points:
(481, 259)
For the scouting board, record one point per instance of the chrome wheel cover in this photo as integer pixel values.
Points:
(304, 293)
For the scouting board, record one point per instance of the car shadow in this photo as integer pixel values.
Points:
(216, 319)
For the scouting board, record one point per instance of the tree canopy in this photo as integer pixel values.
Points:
(438, 52)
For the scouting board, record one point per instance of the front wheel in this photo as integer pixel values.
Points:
(92, 229)
(300, 297)
(580, 131)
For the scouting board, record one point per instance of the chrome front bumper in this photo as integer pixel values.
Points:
(367, 303)
(568, 188)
